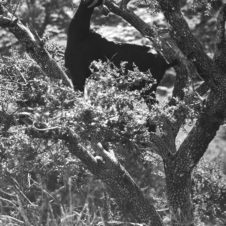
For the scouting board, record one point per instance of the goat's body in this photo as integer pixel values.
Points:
(85, 46)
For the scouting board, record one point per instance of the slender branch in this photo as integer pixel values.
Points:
(220, 52)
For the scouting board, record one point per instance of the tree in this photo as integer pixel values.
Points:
(95, 137)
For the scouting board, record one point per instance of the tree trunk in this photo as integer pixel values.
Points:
(178, 185)
(121, 186)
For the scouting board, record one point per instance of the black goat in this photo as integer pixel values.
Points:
(85, 46)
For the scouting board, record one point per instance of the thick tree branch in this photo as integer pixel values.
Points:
(196, 143)
(105, 166)
(160, 45)
(191, 47)
(35, 48)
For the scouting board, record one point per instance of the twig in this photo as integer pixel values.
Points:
(11, 219)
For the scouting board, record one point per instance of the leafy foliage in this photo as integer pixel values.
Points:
(209, 192)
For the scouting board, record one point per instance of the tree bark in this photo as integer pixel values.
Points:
(178, 188)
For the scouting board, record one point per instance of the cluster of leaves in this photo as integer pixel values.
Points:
(209, 192)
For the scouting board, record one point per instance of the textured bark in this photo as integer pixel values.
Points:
(178, 188)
